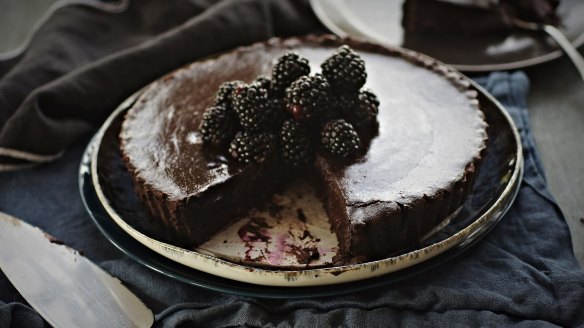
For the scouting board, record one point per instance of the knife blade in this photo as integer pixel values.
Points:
(66, 288)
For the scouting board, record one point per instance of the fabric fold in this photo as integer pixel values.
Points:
(71, 79)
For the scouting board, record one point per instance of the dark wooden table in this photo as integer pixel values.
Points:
(556, 104)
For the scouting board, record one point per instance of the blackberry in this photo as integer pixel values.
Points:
(295, 143)
(340, 138)
(341, 106)
(263, 82)
(218, 125)
(288, 69)
(367, 106)
(279, 112)
(252, 105)
(345, 70)
(357, 109)
(249, 147)
(224, 95)
(308, 97)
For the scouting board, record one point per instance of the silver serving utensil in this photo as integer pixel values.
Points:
(66, 288)
(559, 38)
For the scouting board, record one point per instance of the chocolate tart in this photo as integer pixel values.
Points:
(417, 168)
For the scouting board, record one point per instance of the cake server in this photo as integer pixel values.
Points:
(66, 288)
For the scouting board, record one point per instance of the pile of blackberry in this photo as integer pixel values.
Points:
(292, 114)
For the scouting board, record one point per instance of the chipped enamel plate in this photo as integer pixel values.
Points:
(242, 253)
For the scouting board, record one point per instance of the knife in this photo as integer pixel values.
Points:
(66, 288)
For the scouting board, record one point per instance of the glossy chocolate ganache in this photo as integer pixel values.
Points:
(414, 172)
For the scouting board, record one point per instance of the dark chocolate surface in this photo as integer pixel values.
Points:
(429, 130)
(431, 133)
